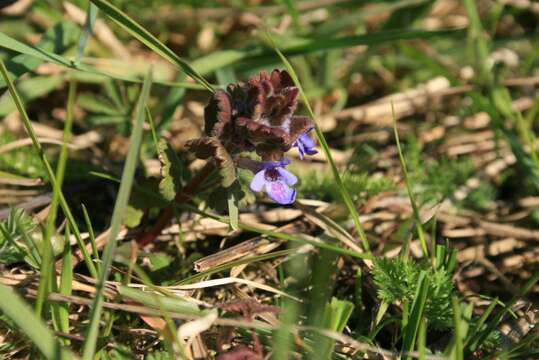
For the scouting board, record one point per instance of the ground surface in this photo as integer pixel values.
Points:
(449, 209)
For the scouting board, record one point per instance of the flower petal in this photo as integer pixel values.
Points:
(284, 161)
(305, 145)
(287, 176)
(259, 180)
(301, 149)
(274, 164)
(279, 192)
(307, 141)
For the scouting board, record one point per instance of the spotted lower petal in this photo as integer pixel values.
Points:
(279, 192)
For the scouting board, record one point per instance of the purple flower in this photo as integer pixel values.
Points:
(276, 180)
(305, 145)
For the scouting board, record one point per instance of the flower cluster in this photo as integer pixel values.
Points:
(257, 116)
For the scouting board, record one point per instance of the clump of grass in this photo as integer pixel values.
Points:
(396, 281)
(436, 178)
(17, 240)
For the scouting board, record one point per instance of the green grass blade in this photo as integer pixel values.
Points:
(501, 105)
(479, 326)
(482, 336)
(50, 173)
(51, 41)
(416, 313)
(293, 11)
(422, 340)
(477, 42)
(166, 303)
(415, 209)
(66, 282)
(303, 240)
(170, 334)
(42, 54)
(283, 336)
(91, 235)
(260, 56)
(33, 51)
(309, 45)
(66, 277)
(30, 243)
(284, 236)
(382, 309)
(149, 40)
(325, 148)
(117, 218)
(47, 272)
(529, 159)
(231, 264)
(91, 16)
(320, 292)
(14, 308)
(461, 318)
(219, 59)
(335, 317)
(457, 352)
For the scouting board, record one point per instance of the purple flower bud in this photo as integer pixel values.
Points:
(276, 181)
(305, 145)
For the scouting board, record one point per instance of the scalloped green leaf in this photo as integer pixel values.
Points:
(171, 170)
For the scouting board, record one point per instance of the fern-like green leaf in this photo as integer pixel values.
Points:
(396, 281)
